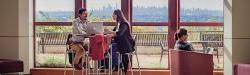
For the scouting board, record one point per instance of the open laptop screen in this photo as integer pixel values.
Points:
(95, 28)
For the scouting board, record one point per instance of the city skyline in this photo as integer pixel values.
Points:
(159, 14)
(68, 5)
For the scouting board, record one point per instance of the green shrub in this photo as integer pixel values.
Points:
(54, 61)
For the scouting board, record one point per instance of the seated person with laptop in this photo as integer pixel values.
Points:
(81, 30)
(79, 33)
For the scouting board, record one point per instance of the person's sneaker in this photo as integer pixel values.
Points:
(115, 69)
(84, 65)
(77, 67)
(102, 69)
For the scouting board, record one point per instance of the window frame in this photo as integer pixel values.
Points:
(127, 8)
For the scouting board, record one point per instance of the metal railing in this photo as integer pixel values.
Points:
(150, 38)
(143, 38)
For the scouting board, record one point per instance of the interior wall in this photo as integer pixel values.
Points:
(9, 29)
(16, 23)
(25, 31)
(228, 37)
(237, 36)
(241, 35)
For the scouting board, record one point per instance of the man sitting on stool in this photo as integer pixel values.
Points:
(79, 33)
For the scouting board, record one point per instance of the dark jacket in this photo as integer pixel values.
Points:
(180, 45)
(123, 38)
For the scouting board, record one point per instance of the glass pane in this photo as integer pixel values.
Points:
(149, 48)
(101, 10)
(201, 11)
(109, 27)
(207, 37)
(54, 10)
(150, 10)
(50, 45)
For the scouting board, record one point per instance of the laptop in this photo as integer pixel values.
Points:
(95, 28)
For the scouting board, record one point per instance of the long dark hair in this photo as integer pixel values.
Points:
(120, 16)
(181, 32)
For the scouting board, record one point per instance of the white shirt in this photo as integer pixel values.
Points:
(79, 28)
(117, 27)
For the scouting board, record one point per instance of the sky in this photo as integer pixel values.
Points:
(99, 4)
(55, 5)
(68, 5)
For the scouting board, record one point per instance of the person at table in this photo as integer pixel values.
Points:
(181, 37)
(122, 36)
(79, 33)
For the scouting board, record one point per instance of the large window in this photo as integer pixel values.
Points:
(150, 10)
(50, 45)
(202, 18)
(149, 19)
(52, 24)
(201, 10)
(151, 44)
(54, 10)
(101, 10)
